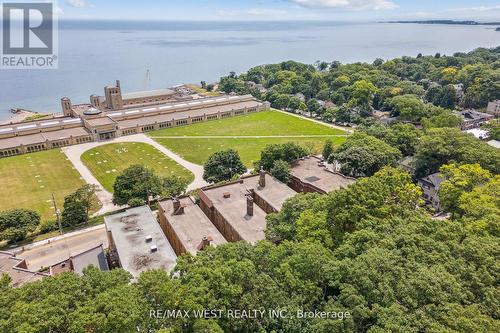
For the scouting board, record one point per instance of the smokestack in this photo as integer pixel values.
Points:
(178, 207)
(262, 177)
(249, 205)
(118, 83)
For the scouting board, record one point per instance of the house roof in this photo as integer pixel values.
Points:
(130, 230)
(311, 170)
(192, 225)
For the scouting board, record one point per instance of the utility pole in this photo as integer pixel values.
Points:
(58, 214)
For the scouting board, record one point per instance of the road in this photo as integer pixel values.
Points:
(57, 250)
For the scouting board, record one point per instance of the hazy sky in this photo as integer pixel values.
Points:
(350, 10)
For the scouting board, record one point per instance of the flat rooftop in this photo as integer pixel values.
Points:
(191, 226)
(147, 93)
(42, 137)
(38, 125)
(19, 276)
(231, 202)
(274, 193)
(174, 115)
(199, 103)
(311, 171)
(129, 231)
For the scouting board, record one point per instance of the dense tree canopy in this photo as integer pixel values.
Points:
(223, 166)
(367, 252)
(136, 181)
(15, 224)
(412, 88)
(441, 146)
(363, 155)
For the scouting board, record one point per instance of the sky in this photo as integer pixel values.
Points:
(338, 10)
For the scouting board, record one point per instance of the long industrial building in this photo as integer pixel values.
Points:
(116, 114)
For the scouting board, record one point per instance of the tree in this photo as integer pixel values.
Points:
(174, 186)
(404, 137)
(459, 180)
(446, 119)
(136, 181)
(363, 155)
(362, 94)
(439, 146)
(327, 149)
(281, 171)
(408, 107)
(74, 212)
(223, 166)
(15, 224)
(313, 106)
(287, 152)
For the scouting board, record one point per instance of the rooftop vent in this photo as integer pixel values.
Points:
(149, 239)
(154, 248)
(226, 195)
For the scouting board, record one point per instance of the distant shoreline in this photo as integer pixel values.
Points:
(450, 22)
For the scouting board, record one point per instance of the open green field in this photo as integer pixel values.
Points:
(29, 180)
(247, 134)
(108, 161)
(254, 124)
(198, 150)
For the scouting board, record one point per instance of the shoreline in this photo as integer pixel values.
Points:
(20, 116)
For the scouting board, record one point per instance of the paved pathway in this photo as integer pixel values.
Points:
(75, 152)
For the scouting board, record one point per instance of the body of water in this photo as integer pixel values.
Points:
(94, 54)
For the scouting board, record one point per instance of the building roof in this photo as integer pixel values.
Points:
(175, 115)
(92, 257)
(42, 137)
(101, 121)
(192, 225)
(473, 115)
(14, 268)
(478, 133)
(147, 94)
(311, 170)
(39, 124)
(275, 193)
(230, 200)
(130, 230)
(435, 179)
(494, 143)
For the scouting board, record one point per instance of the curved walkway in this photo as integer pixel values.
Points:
(75, 152)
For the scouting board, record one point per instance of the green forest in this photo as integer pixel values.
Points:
(372, 250)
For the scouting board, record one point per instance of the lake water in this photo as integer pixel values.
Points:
(94, 54)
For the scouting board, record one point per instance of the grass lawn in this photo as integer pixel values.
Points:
(187, 142)
(198, 150)
(29, 180)
(108, 161)
(255, 124)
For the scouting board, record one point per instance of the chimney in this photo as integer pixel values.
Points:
(205, 242)
(249, 205)
(262, 177)
(178, 207)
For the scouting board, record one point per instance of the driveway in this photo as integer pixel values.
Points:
(75, 152)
